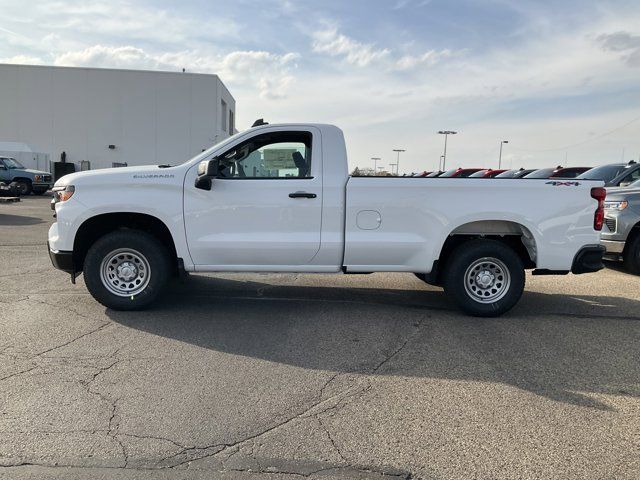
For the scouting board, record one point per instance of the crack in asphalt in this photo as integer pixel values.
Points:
(217, 448)
(397, 351)
(79, 337)
(19, 373)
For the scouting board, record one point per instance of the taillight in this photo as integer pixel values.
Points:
(599, 194)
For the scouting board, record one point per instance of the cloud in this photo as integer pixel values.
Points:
(335, 44)
(112, 57)
(270, 73)
(22, 60)
(625, 43)
(408, 62)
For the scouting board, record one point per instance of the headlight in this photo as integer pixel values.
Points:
(37, 178)
(616, 205)
(62, 194)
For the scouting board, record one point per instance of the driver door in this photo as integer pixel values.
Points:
(264, 209)
(4, 172)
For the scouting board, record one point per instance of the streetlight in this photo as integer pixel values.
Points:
(375, 164)
(393, 165)
(500, 157)
(446, 133)
(440, 163)
(398, 150)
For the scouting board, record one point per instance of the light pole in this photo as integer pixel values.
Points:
(393, 165)
(375, 164)
(440, 163)
(500, 156)
(398, 150)
(446, 133)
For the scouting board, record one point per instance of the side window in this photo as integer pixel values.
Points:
(270, 155)
(632, 177)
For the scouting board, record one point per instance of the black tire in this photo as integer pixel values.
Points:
(142, 246)
(24, 187)
(466, 285)
(14, 189)
(631, 255)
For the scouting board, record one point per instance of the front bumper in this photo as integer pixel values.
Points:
(613, 246)
(588, 259)
(62, 260)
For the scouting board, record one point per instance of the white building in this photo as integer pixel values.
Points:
(110, 117)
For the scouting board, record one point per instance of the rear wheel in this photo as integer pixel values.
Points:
(126, 270)
(631, 255)
(485, 278)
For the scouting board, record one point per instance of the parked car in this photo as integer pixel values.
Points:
(542, 172)
(621, 236)
(488, 173)
(459, 172)
(614, 175)
(437, 173)
(569, 172)
(518, 173)
(26, 179)
(130, 229)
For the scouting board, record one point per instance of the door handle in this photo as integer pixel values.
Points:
(302, 195)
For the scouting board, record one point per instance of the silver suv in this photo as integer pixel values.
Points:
(621, 236)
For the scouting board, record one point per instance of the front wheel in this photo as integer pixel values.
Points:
(485, 278)
(631, 255)
(24, 187)
(126, 270)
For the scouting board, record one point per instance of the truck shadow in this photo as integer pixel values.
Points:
(571, 349)
(18, 220)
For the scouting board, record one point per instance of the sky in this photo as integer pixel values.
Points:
(560, 81)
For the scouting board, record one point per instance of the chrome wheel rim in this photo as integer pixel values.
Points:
(125, 272)
(487, 280)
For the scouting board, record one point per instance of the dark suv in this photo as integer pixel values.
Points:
(614, 175)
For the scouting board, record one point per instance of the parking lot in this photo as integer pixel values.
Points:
(289, 376)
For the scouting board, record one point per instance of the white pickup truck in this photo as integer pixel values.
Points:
(278, 198)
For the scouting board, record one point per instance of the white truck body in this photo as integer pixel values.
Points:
(352, 224)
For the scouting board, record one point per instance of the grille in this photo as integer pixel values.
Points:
(47, 178)
(611, 223)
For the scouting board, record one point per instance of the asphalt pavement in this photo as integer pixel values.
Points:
(320, 376)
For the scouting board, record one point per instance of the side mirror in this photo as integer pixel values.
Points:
(207, 170)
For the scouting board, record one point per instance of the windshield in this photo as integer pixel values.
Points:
(542, 173)
(479, 173)
(449, 173)
(12, 163)
(508, 174)
(206, 153)
(605, 173)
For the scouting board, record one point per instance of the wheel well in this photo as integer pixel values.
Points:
(100, 225)
(512, 234)
(22, 179)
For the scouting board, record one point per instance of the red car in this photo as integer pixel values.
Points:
(460, 172)
(488, 173)
(569, 172)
